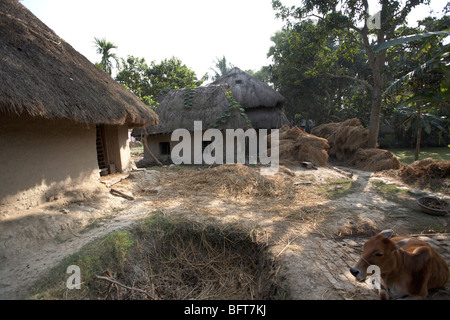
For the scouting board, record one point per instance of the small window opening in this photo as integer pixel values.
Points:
(164, 148)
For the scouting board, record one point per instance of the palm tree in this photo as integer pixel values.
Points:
(221, 68)
(104, 48)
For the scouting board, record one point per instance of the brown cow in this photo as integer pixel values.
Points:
(408, 266)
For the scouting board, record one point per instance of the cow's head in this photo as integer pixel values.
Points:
(376, 251)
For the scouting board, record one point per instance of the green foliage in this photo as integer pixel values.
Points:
(398, 41)
(222, 67)
(189, 97)
(350, 18)
(104, 49)
(150, 81)
(233, 106)
(314, 70)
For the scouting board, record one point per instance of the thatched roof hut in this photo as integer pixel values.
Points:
(63, 121)
(206, 104)
(262, 103)
(41, 75)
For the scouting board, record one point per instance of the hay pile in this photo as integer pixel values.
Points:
(375, 160)
(344, 138)
(348, 142)
(425, 169)
(296, 146)
(235, 180)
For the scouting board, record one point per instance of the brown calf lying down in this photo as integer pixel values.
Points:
(408, 266)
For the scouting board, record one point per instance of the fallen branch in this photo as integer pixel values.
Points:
(122, 194)
(124, 286)
(147, 149)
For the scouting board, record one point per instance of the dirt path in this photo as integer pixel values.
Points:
(315, 239)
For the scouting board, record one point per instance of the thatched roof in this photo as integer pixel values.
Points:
(43, 76)
(208, 105)
(267, 118)
(249, 91)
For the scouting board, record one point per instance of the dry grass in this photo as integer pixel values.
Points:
(188, 260)
(233, 180)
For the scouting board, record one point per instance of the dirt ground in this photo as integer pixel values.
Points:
(314, 220)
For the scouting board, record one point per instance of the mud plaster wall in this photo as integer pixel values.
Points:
(118, 147)
(154, 141)
(41, 158)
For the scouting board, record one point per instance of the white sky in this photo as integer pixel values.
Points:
(195, 31)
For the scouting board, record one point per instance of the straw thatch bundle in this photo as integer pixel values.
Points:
(262, 103)
(375, 160)
(208, 104)
(43, 76)
(296, 146)
(344, 138)
(348, 141)
(427, 168)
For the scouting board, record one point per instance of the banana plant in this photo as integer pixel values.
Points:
(425, 100)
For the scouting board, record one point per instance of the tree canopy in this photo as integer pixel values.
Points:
(150, 81)
(326, 41)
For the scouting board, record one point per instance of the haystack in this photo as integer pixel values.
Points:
(296, 146)
(348, 142)
(427, 168)
(375, 160)
(344, 138)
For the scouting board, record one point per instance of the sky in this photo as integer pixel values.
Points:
(195, 31)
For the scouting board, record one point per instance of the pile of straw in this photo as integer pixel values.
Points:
(348, 142)
(426, 169)
(344, 138)
(375, 160)
(296, 146)
(235, 180)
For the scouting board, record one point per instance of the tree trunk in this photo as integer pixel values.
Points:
(374, 126)
(419, 134)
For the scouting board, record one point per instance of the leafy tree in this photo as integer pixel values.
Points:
(350, 17)
(104, 49)
(171, 74)
(150, 81)
(316, 71)
(264, 74)
(425, 91)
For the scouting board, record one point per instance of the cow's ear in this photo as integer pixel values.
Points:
(387, 233)
(401, 243)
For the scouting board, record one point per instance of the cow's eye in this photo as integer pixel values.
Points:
(378, 254)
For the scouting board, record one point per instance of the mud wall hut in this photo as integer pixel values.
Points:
(180, 108)
(62, 119)
(263, 104)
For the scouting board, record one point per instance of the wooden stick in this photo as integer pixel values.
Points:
(124, 286)
(120, 193)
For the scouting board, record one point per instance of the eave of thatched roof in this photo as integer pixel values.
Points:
(208, 105)
(249, 91)
(267, 118)
(43, 76)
